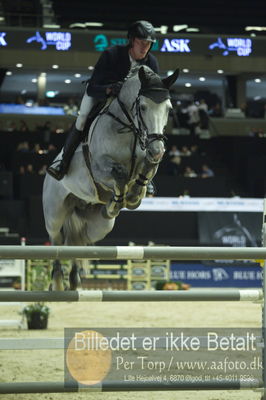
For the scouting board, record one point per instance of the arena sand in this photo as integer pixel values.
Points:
(47, 365)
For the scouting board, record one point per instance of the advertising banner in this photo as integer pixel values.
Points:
(229, 273)
(98, 41)
(230, 229)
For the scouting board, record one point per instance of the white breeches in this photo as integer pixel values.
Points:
(85, 107)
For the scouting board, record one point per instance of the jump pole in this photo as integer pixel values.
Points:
(133, 295)
(60, 387)
(51, 343)
(132, 252)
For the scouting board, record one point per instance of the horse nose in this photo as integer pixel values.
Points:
(156, 150)
(158, 155)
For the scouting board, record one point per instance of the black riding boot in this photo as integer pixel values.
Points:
(60, 167)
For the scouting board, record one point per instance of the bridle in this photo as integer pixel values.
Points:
(139, 129)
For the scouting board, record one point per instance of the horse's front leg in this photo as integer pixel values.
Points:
(139, 187)
(113, 207)
(58, 277)
(148, 169)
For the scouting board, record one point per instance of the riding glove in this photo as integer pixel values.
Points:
(115, 88)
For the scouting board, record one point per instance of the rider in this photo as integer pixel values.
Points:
(111, 69)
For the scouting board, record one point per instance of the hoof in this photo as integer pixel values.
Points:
(133, 206)
(58, 284)
(134, 196)
(133, 201)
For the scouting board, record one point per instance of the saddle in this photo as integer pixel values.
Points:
(95, 111)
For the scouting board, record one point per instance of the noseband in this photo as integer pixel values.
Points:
(140, 129)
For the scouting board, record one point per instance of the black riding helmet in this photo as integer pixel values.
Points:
(141, 30)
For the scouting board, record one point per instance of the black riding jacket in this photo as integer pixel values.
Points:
(113, 66)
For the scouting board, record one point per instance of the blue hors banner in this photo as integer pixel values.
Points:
(224, 274)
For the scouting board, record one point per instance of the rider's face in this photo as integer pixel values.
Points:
(140, 48)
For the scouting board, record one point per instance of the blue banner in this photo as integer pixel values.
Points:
(200, 275)
(22, 109)
(72, 40)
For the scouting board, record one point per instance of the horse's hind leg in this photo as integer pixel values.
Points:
(57, 277)
(84, 226)
(74, 277)
(55, 212)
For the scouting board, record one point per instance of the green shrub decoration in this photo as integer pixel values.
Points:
(36, 308)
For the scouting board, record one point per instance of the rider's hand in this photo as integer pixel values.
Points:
(115, 88)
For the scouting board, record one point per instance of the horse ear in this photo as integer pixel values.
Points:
(170, 80)
(143, 77)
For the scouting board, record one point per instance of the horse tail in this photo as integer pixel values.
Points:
(75, 229)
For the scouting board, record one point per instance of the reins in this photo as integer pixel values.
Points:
(131, 126)
(140, 131)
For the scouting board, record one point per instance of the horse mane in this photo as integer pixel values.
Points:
(134, 71)
(153, 79)
(148, 84)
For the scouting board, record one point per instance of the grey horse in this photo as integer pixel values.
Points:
(111, 168)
